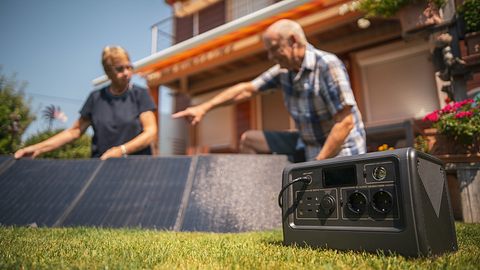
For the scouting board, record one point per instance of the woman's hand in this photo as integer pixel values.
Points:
(114, 152)
(30, 151)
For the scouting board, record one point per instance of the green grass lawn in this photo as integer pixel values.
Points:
(95, 248)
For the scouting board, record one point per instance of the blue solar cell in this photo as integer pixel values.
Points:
(217, 193)
(135, 192)
(4, 158)
(39, 191)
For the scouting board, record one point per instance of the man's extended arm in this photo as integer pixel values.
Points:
(344, 123)
(236, 93)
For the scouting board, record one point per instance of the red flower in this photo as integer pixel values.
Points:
(466, 101)
(463, 114)
(459, 120)
(432, 117)
(448, 108)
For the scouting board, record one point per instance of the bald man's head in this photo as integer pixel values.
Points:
(285, 29)
(286, 43)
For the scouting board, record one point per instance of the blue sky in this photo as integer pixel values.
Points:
(55, 45)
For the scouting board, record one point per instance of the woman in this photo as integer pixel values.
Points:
(120, 114)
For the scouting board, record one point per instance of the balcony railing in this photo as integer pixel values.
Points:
(162, 36)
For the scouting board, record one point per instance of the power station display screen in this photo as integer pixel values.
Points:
(339, 176)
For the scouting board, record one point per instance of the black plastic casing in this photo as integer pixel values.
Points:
(417, 220)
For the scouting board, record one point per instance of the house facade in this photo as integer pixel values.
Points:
(217, 43)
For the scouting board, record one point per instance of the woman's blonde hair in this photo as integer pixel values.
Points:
(111, 52)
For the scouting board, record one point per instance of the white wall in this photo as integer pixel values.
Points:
(398, 82)
(216, 128)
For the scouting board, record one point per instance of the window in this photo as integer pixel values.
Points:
(240, 8)
(398, 82)
(199, 22)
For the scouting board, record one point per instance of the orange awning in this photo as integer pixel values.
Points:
(230, 32)
(253, 29)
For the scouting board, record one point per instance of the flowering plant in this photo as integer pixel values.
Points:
(458, 120)
(388, 8)
(385, 147)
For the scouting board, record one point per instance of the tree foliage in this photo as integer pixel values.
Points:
(79, 148)
(52, 113)
(15, 113)
(470, 9)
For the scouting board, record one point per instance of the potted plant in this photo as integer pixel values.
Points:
(469, 10)
(456, 128)
(414, 15)
(455, 139)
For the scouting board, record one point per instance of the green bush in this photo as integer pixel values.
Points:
(77, 149)
(15, 114)
(470, 10)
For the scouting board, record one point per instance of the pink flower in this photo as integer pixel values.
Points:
(449, 108)
(466, 101)
(459, 120)
(463, 114)
(432, 117)
(458, 105)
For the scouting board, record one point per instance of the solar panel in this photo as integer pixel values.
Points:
(135, 192)
(3, 159)
(39, 191)
(235, 193)
(217, 193)
(5, 162)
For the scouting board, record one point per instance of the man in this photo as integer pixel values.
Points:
(121, 115)
(317, 94)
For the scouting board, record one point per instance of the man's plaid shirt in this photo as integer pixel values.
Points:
(319, 90)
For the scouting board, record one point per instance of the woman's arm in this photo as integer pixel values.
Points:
(56, 141)
(141, 141)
